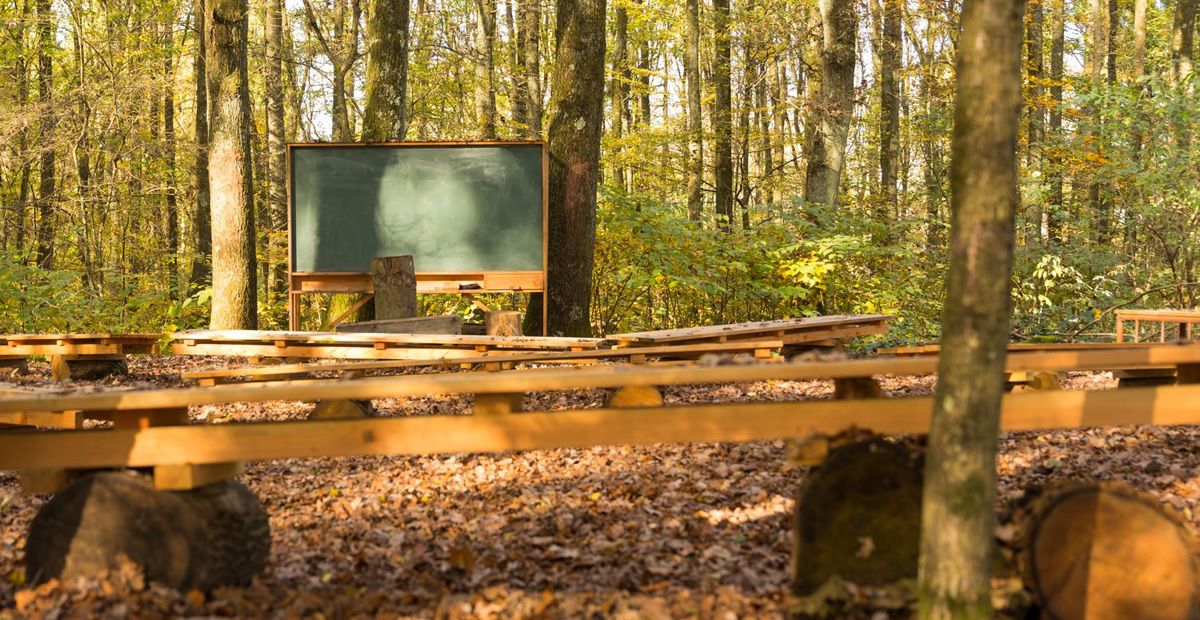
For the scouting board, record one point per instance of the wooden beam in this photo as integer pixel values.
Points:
(182, 477)
(421, 435)
(760, 349)
(550, 379)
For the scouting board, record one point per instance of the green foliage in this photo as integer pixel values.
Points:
(34, 300)
(655, 269)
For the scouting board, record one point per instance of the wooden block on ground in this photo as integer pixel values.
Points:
(496, 404)
(44, 480)
(632, 396)
(63, 367)
(503, 323)
(338, 409)
(416, 325)
(186, 477)
(856, 387)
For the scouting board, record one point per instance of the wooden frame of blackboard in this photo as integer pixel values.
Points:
(305, 282)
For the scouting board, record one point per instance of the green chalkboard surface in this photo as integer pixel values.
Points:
(455, 208)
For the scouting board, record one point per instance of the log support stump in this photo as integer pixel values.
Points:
(341, 409)
(216, 535)
(634, 396)
(858, 518)
(87, 367)
(1107, 551)
(497, 404)
(394, 280)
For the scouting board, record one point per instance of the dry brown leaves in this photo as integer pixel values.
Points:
(654, 532)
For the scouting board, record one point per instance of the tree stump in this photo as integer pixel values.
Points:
(201, 539)
(395, 283)
(632, 396)
(858, 516)
(339, 409)
(1104, 550)
(63, 367)
(503, 323)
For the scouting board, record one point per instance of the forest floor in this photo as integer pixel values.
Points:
(663, 531)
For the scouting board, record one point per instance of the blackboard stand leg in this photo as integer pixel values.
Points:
(294, 311)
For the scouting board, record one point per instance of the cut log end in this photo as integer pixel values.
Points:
(632, 396)
(858, 517)
(212, 536)
(1105, 550)
(503, 323)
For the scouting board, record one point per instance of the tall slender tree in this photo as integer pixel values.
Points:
(234, 299)
(530, 20)
(276, 159)
(46, 197)
(695, 123)
(574, 142)
(832, 103)
(171, 198)
(722, 116)
(890, 43)
(957, 508)
(1057, 204)
(201, 214)
(485, 68)
(1036, 110)
(619, 88)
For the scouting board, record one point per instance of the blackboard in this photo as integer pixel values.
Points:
(453, 207)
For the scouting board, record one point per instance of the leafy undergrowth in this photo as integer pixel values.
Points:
(651, 532)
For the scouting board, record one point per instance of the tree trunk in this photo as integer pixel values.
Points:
(574, 141)
(695, 122)
(722, 121)
(171, 199)
(1037, 114)
(202, 216)
(1182, 33)
(46, 198)
(516, 82)
(832, 106)
(957, 510)
(619, 87)
(276, 151)
(889, 107)
(530, 17)
(387, 71)
(485, 68)
(1054, 217)
(234, 300)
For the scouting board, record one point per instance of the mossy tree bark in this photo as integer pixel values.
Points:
(574, 143)
(722, 115)
(957, 514)
(234, 299)
(387, 71)
(832, 106)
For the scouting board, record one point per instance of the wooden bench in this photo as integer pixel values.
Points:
(151, 430)
(759, 349)
(812, 331)
(77, 355)
(1186, 319)
(271, 344)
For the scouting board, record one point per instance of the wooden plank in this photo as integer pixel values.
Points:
(182, 477)
(583, 378)
(423, 435)
(760, 349)
(353, 339)
(45, 419)
(1168, 315)
(1025, 347)
(752, 327)
(385, 352)
(448, 325)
